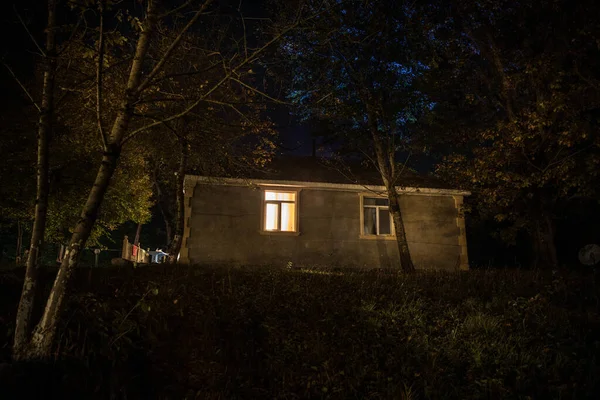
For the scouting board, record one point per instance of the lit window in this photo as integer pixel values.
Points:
(376, 216)
(280, 211)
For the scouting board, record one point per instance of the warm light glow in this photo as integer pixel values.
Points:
(271, 217)
(280, 211)
(288, 217)
(280, 196)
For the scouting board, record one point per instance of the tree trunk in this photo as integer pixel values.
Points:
(43, 335)
(405, 258)
(179, 198)
(19, 242)
(385, 163)
(136, 241)
(26, 304)
(42, 340)
(544, 246)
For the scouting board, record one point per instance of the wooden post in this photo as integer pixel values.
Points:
(124, 254)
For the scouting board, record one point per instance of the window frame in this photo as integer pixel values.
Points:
(363, 235)
(263, 207)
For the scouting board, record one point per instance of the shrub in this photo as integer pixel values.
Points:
(219, 333)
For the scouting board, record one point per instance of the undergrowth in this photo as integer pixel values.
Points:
(190, 332)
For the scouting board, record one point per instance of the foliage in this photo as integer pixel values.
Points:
(516, 83)
(353, 67)
(71, 172)
(225, 129)
(128, 198)
(247, 333)
(17, 167)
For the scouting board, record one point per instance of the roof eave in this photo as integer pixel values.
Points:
(322, 185)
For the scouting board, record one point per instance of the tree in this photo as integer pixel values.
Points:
(522, 78)
(146, 69)
(354, 66)
(46, 116)
(227, 133)
(129, 197)
(221, 143)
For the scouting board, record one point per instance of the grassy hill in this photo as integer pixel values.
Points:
(249, 333)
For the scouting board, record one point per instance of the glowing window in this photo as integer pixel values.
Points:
(280, 211)
(376, 217)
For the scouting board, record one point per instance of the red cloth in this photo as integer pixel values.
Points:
(134, 250)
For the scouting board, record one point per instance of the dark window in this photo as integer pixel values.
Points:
(376, 216)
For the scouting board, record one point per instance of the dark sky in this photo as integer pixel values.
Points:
(17, 49)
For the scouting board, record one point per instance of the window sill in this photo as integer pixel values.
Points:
(377, 237)
(278, 233)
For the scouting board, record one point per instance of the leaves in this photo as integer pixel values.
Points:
(531, 143)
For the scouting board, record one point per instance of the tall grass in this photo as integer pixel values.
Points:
(191, 332)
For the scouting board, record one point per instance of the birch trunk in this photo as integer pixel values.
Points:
(385, 163)
(405, 258)
(42, 341)
(179, 198)
(26, 303)
(45, 331)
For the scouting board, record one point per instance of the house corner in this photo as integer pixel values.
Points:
(188, 192)
(463, 263)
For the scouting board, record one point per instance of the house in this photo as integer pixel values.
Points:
(309, 212)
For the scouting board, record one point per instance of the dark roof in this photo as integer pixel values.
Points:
(313, 169)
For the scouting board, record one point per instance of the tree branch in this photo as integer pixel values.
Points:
(567, 157)
(158, 67)
(261, 93)
(99, 78)
(167, 76)
(72, 35)
(175, 10)
(245, 38)
(403, 167)
(231, 106)
(227, 76)
(22, 87)
(42, 52)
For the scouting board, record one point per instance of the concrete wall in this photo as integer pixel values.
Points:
(224, 226)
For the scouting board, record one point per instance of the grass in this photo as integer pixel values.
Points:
(249, 333)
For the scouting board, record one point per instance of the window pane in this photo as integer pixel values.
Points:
(271, 216)
(375, 201)
(284, 196)
(384, 222)
(370, 227)
(288, 217)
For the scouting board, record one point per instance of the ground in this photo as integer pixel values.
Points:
(247, 333)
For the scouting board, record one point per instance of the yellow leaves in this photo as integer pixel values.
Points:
(565, 141)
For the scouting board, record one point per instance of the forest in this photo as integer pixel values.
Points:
(108, 104)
